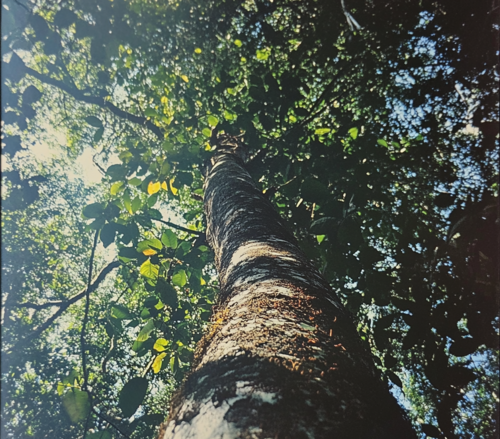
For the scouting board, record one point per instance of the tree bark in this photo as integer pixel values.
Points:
(282, 358)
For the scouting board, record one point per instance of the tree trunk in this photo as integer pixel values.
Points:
(282, 358)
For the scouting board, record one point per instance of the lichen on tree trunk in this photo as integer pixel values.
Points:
(282, 358)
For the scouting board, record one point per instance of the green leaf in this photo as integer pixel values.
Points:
(321, 131)
(169, 238)
(120, 312)
(98, 134)
(206, 132)
(132, 395)
(146, 330)
(135, 205)
(320, 238)
(116, 187)
(152, 200)
(94, 210)
(149, 270)
(116, 172)
(167, 293)
(31, 95)
(77, 405)
(135, 181)
(353, 132)
(150, 112)
(238, 43)
(108, 233)
(148, 244)
(382, 142)
(93, 121)
(179, 278)
(212, 121)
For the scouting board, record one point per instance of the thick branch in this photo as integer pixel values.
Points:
(79, 95)
(63, 306)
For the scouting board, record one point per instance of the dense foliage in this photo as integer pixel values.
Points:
(372, 130)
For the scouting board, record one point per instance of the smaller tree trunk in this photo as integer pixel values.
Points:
(282, 358)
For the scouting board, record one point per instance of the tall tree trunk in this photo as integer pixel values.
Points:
(282, 358)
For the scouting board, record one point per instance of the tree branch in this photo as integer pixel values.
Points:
(63, 306)
(100, 102)
(66, 303)
(182, 229)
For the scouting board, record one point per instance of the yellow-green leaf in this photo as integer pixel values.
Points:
(206, 132)
(321, 131)
(169, 238)
(116, 187)
(238, 43)
(179, 278)
(197, 50)
(263, 54)
(213, 121)
(158, 362)
(353, 132)
(160, 345)
(149, 270)
(184, 78)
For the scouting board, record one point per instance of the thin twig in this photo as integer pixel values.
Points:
(182, 229)
(101, 102)
(63, 306)
(105, 418)
(86, 314)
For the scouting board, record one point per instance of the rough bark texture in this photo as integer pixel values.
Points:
(282, 358)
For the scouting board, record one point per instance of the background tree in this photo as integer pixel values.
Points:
(369, 133)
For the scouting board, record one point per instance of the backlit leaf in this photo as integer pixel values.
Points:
(212, 121)
(206, 132)
(77, 405)
(354, 133)
(161, 345)
(158, 362)
(149, 270)
(116, 187)
(146, 330)
(179, 278)
(169, 238)
(321, 131)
